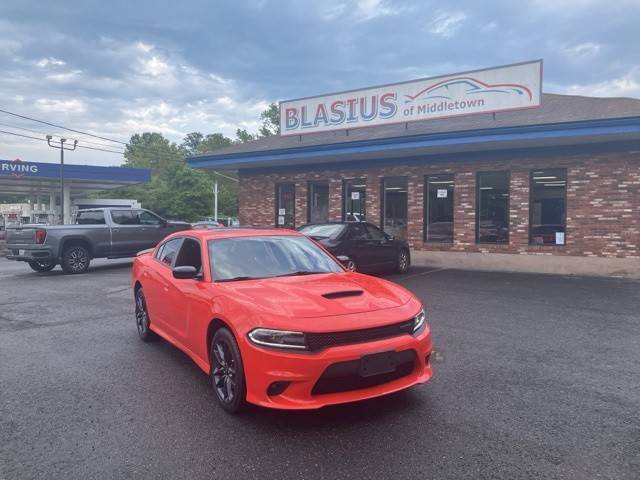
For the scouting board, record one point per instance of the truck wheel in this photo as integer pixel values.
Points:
(75, 259)
(42, 266)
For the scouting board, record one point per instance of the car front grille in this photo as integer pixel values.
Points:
(345, 376)
(320, 341)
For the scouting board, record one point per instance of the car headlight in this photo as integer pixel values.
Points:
(419, 322)
(278, 338)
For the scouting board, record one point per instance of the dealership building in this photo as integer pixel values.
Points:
(476, 170)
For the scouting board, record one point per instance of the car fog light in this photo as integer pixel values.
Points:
(276, 388)
(278, 338)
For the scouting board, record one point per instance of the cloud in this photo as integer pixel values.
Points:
(447, 24)
(582, 50)
(627, 85)
(50, 61)
(52, 105)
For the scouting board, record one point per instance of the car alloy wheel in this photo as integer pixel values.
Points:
(142, 317)
(75, 260)
(403, 261)
(351, 266)
(227, 374)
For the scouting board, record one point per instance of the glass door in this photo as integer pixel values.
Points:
(394, 206)
(354, 193)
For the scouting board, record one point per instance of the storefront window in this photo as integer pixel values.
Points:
(547, 207)
(285, 205)
(354, 193)
(394, 206)
(318, 202)
(439, 208)
(492, 225)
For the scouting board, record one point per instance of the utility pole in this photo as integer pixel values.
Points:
(62, 148)
(215, 201)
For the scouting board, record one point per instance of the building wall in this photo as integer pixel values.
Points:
(603, 202)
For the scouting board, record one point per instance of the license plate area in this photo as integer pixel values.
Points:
(377, 363)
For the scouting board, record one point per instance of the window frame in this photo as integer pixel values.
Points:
(310, 185)
(82, 212)
(508, 214)
(425, 197)
(133, 212)
(564, 219)
(277, 205)
(160, 248)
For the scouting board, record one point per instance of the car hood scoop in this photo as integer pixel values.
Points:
(315, 296)
(343, 294)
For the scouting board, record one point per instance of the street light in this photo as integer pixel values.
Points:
(62, 148)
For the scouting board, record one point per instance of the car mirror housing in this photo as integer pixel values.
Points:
(186, 271)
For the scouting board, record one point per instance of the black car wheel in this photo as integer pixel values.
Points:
(142, 317)
(75, 260)
(403, 261)
(40, 266)
(227, 372)
(351, 265)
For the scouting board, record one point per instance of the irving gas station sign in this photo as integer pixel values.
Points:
(496, 89)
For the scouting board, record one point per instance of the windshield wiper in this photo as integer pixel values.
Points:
(300, 273)
(237, 279)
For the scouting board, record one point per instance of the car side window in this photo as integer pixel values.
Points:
(357, 232)
(124, 217)
(169, 251)
(190, 254)
(95, 217)
(148, 218)
(375, 233)
(159, 252)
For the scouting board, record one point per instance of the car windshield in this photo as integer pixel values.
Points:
(330, 230)
(246, 258)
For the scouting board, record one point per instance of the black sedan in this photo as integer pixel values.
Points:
(368, 248)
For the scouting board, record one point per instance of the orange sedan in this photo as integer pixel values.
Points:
(276, 321)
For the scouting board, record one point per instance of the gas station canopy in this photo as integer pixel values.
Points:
(37, 178)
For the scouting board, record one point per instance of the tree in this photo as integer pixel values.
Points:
(270, 121)
(151, 150)
(214, 141)
(242, 136)
(191, 142)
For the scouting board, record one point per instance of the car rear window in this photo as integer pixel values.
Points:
(243, 258)
(323, 231)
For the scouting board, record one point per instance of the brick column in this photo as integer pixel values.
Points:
(335, 199)
(373, 199)
(464, 216)
(415, 210)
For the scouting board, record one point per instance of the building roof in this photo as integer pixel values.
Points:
(556, 112)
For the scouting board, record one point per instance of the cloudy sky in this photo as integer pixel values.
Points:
(114, 68)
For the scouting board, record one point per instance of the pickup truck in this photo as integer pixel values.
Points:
(97, 233)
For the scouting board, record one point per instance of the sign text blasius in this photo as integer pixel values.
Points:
(481, 91)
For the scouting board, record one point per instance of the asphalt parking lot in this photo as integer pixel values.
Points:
(535, 377)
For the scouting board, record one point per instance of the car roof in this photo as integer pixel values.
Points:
(235, 232)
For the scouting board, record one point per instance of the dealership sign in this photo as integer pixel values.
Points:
(17, 168)
(481, 91)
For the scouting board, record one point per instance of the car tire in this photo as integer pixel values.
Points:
(351, 265)
(38, 266)
(142, 317)
(75, 259)
(403, 261)
(227, 371)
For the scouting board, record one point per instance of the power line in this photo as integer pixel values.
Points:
(24, 136)
(62, 127)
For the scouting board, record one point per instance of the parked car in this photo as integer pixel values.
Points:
(207, 224)
(369, 249)
(276, 321)
(97, 233)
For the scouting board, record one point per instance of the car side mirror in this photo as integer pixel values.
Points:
(164, 223)
(186, 271)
